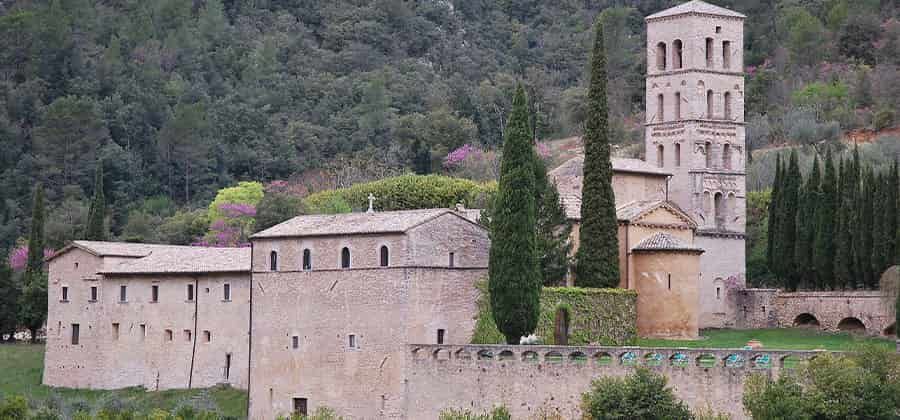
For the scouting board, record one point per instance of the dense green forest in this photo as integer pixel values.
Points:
(180, 99)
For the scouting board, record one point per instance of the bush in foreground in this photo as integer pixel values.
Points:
(498, 413)
(640, 395)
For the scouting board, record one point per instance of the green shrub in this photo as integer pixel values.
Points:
(14, 408)
(640, 395)
(884, 118)
(321, 413)
(498, 413)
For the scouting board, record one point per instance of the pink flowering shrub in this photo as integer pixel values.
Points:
(542, 150)
(458, 156)
(232, 229)
(18, 257)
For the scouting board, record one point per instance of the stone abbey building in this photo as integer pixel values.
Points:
(369, 313)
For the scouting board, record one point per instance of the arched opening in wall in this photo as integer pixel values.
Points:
(676, 54)
(726, 156)
(727, 99)
(384, 256)
(707, 204)
(660, 156)
(661, 56)
(273, 261)
(677, 105)
(660, 107)
(806, 320)
(307, 260)
(561, 327)
(852, 325)
(726, 54)
(345, 258)
(709, 52)
(719, 206)
(890, 331)
(708, 150)
(709, 104)
(677, 154)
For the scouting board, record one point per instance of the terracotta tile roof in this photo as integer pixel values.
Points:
(636, 209)
(353, 223)
(696, 6)
(115, 249)
(179, 259)
(661, 241)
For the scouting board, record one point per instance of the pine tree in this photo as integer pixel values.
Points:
(824, 252)
(33, 305)
(96, 230)
(514, 275)
(772, 231)
(806, 228)
(597, 259)
(553, 228)
(787, 229)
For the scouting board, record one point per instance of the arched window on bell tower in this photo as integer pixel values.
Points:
(708, 150)
(709, 52)
(661, 56)
(726, 156)
(677, 154)
(660, 156)
(677, 54)
(677, 105)
(726, 54)
(727, 100)
(719, 208)
(709, 104)
(660, 107)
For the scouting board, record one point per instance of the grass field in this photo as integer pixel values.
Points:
(784, 339)
(21, 367)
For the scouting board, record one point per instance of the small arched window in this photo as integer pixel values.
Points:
(307, 260)
(677, 105)
(709, 52)
(727, 100)
(660, 107)
(660, 156)
(726, 156)
(676, 54)
(719, 207)
(384, 256)
(677, 154)
(661, 56)
(345, 258)
(709, 104)
(273, 261)
(708, 154)
(726, 54)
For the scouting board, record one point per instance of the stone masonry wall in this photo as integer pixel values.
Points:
(528, 378)
(768, 308)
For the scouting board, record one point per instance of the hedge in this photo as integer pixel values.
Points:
(407, 192)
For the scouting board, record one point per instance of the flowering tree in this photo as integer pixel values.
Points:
(18, 257)
(232, 229)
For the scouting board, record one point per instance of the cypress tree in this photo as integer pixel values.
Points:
(597, 259)
(806, 228)
(893, 220)
(772, 231)
(824, 252)
(865, 206)
(553, 228)
(421, 156)
(843, 259)
(787, 229)
(33, 305)
(96, 230)
(514, 281)
(880, 248)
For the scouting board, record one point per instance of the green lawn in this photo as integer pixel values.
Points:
(21, 366)
(774, 338)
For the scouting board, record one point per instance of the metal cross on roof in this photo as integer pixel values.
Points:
(371, 203)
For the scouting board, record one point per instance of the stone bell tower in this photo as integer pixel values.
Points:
(695, 130)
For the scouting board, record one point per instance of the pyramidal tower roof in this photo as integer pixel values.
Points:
(698, 7)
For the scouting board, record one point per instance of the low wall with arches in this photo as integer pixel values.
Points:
(864, 311)
(528, 379)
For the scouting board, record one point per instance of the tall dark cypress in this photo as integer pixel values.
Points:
(597, 259)
(552, 227)
(878, 230)
(787, 229)
(843, 259)
(864, 225)
(823, 255)
(36, 234)
(514, 276)
(96, 229)
(772, 231)
(33, 301)
(806, 228)
(893, 221)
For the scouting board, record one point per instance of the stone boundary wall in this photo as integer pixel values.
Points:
(528, 379)
(852, 311)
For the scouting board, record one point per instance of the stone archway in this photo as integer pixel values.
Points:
(851, 325)
(890, 331)
(806, 320)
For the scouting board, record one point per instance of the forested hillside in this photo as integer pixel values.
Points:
(179, 99)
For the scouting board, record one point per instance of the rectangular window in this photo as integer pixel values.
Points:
(226, 292)
(93, 293)
(452, 258)
(207, 336)
(295, 342)
(169, 335)
(190, 292)
(227, 365)
(154, 293)
(718, 292)
(115, 330)
(143, 331)
(352, 341)
(440, 336)
(670, 281)
(75, 333)
(65, 294)
(300, 406)
(187, 335)
(123, 293)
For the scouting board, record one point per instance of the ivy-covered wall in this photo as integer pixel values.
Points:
(596, 316)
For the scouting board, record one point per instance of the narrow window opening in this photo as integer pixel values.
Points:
(154, 293)
(143, 331)
(440, 336)
(661, 107)
(709, 52)
(709, 104)
(300, 406)
(718, 292)
(677, 105)
(670, 281)
(65, 294)
(187, 335)
(93, 293)
(169, 335)
(726, 54)
(273, 261)
(76, 266)
(719, 205)
(708, 150)
(115, 330)
(727, 101)
(227, 365)
(677, 154)
(307, 260)
(384, 256)
(726, 156)
(123, 293)
(345, 258)
(352, 341)
(676, 53)
(75, 334)
(661, 56)
(452, 257)
(660, 156)
(226, 292)
(207, 336)
(295, 342)
(190, 292)
(718, 29)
